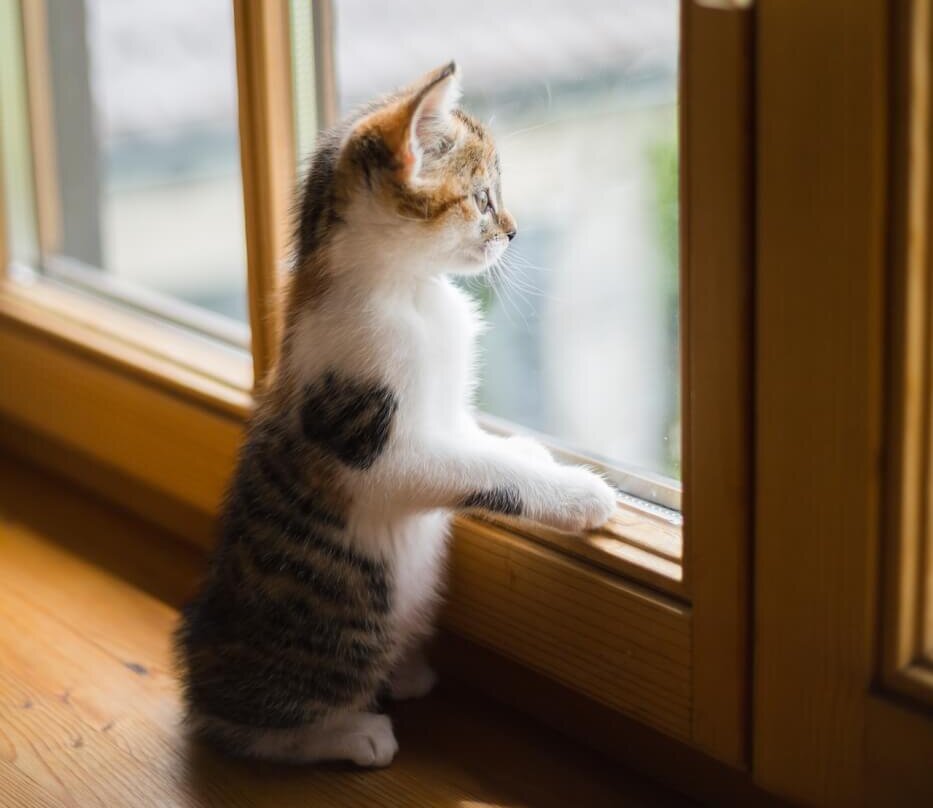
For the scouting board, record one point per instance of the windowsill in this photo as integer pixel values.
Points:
(171, 358)
(603, 614)
(635, 544)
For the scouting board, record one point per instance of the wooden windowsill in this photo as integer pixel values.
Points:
(89, 690)
(169, 358)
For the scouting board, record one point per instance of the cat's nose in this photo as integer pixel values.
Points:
(512, 233)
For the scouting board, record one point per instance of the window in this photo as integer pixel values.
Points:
(136, 165)
(583, 104)
(646, 617)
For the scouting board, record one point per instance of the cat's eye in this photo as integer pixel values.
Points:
(482, 201)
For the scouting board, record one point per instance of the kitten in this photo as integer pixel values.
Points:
(334, 532)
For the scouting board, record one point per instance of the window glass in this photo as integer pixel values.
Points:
(143, 100)
(582, 98)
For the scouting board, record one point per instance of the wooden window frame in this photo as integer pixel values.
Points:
(907, 590)
(623, 615)
(841, 254)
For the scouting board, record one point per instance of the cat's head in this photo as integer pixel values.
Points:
(423, 178)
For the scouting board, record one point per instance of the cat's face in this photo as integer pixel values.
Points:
(427, 175)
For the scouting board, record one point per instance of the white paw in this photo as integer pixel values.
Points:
(373, 744)
(529, 448)
(585, 501)
(412, 680)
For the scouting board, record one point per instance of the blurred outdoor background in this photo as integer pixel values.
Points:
(581, 96)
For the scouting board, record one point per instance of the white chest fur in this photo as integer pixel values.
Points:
(419, 341)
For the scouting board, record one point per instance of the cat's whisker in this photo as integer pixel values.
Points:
(507, 289)
(527, 129)
(518, 278)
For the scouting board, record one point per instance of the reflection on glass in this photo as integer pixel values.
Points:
(146, 151)
(582, 97)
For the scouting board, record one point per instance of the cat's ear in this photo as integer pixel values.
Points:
(425, 116)
(411, 125)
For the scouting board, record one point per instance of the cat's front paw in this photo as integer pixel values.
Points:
(585, 501)
(529, 448)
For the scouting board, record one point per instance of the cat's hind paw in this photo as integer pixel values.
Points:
(413, 679)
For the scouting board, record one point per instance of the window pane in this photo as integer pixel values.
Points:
(582, 98)
(146, 155)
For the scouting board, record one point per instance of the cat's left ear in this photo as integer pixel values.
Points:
(427, 115)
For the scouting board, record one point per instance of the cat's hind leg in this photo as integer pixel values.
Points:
(365, 739)
(413, 677)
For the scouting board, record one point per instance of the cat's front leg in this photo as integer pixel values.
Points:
(525, 446)
(520, 445)
(487, 475)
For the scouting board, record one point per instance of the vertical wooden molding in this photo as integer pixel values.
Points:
(325, 64)
(716, 299)
(267, 155)
(821, 189)
(4, 221)
(906, 594)
(41, 125)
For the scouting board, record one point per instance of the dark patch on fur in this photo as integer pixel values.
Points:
(318, 196)
(141, 670)
(371, 155)
(352, 420)
(505, 500)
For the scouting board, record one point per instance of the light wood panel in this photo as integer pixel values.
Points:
(162, 440)
(717, 208)
(635, 544)
(821, 87)
(908, 540)
(4, 222)
(41, 124)
(179, 362)
(267, 157)
(623, 647)
(89, 706)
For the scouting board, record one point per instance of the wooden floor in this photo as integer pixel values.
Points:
(89, 706)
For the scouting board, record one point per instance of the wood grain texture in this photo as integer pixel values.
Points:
(634, 544)
(267, 159)
(89, 706)
(821, 78)
(898, 751)
(622, 646)
(41, 125)
(717, 229)
(170, 359)
(4, 223)
(907, 624)
(165, 441)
